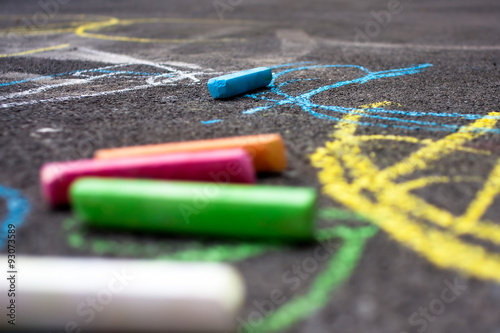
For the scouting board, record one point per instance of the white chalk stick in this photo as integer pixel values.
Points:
(68, 294)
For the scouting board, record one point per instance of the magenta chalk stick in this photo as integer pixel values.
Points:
(227, 165)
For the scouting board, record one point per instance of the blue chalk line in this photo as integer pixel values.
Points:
(274, 96)
(303, 100)
(211, 121)
(17, 209)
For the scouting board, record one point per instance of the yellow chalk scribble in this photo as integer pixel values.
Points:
(44, 49)
(89, 27)
(381, 195)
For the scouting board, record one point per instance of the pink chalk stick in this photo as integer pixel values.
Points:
(223, 166)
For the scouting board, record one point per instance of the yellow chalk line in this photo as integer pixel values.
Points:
(59, 16)
(45, 32)
(46, 27)
(443, 249)
(411, 139)
(82, 30)
(54, 28)
(44, 49)
(474, 150)
(423, 210)
(483, 200)
(423, 182)
(395, 210)
(379, 182)
(186, 20)
(420, 159)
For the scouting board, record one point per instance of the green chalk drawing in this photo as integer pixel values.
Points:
(221, 253)
(78, 239)
(341, 214)
(337, 270)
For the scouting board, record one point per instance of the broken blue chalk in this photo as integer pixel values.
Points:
(240, 82)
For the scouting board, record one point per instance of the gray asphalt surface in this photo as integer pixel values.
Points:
(391, 282)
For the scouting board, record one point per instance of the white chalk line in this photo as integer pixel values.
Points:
(113, 58)
(48, 130)
(69, 98)
(99, 94)
(150, 83)
(410, 45)
(106, 56)
(183, 64)
(69, 82)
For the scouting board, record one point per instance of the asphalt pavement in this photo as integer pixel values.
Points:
(402, 95)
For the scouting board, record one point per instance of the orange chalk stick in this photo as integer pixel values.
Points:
(267, 150)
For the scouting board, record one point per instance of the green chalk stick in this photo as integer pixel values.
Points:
(239, 211)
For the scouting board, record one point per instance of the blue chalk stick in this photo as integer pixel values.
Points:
(240, 82)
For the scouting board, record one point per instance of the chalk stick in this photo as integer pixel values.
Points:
(240, 82)
(212, 209)
(267, 150)
(82, 294)
(228, 165)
